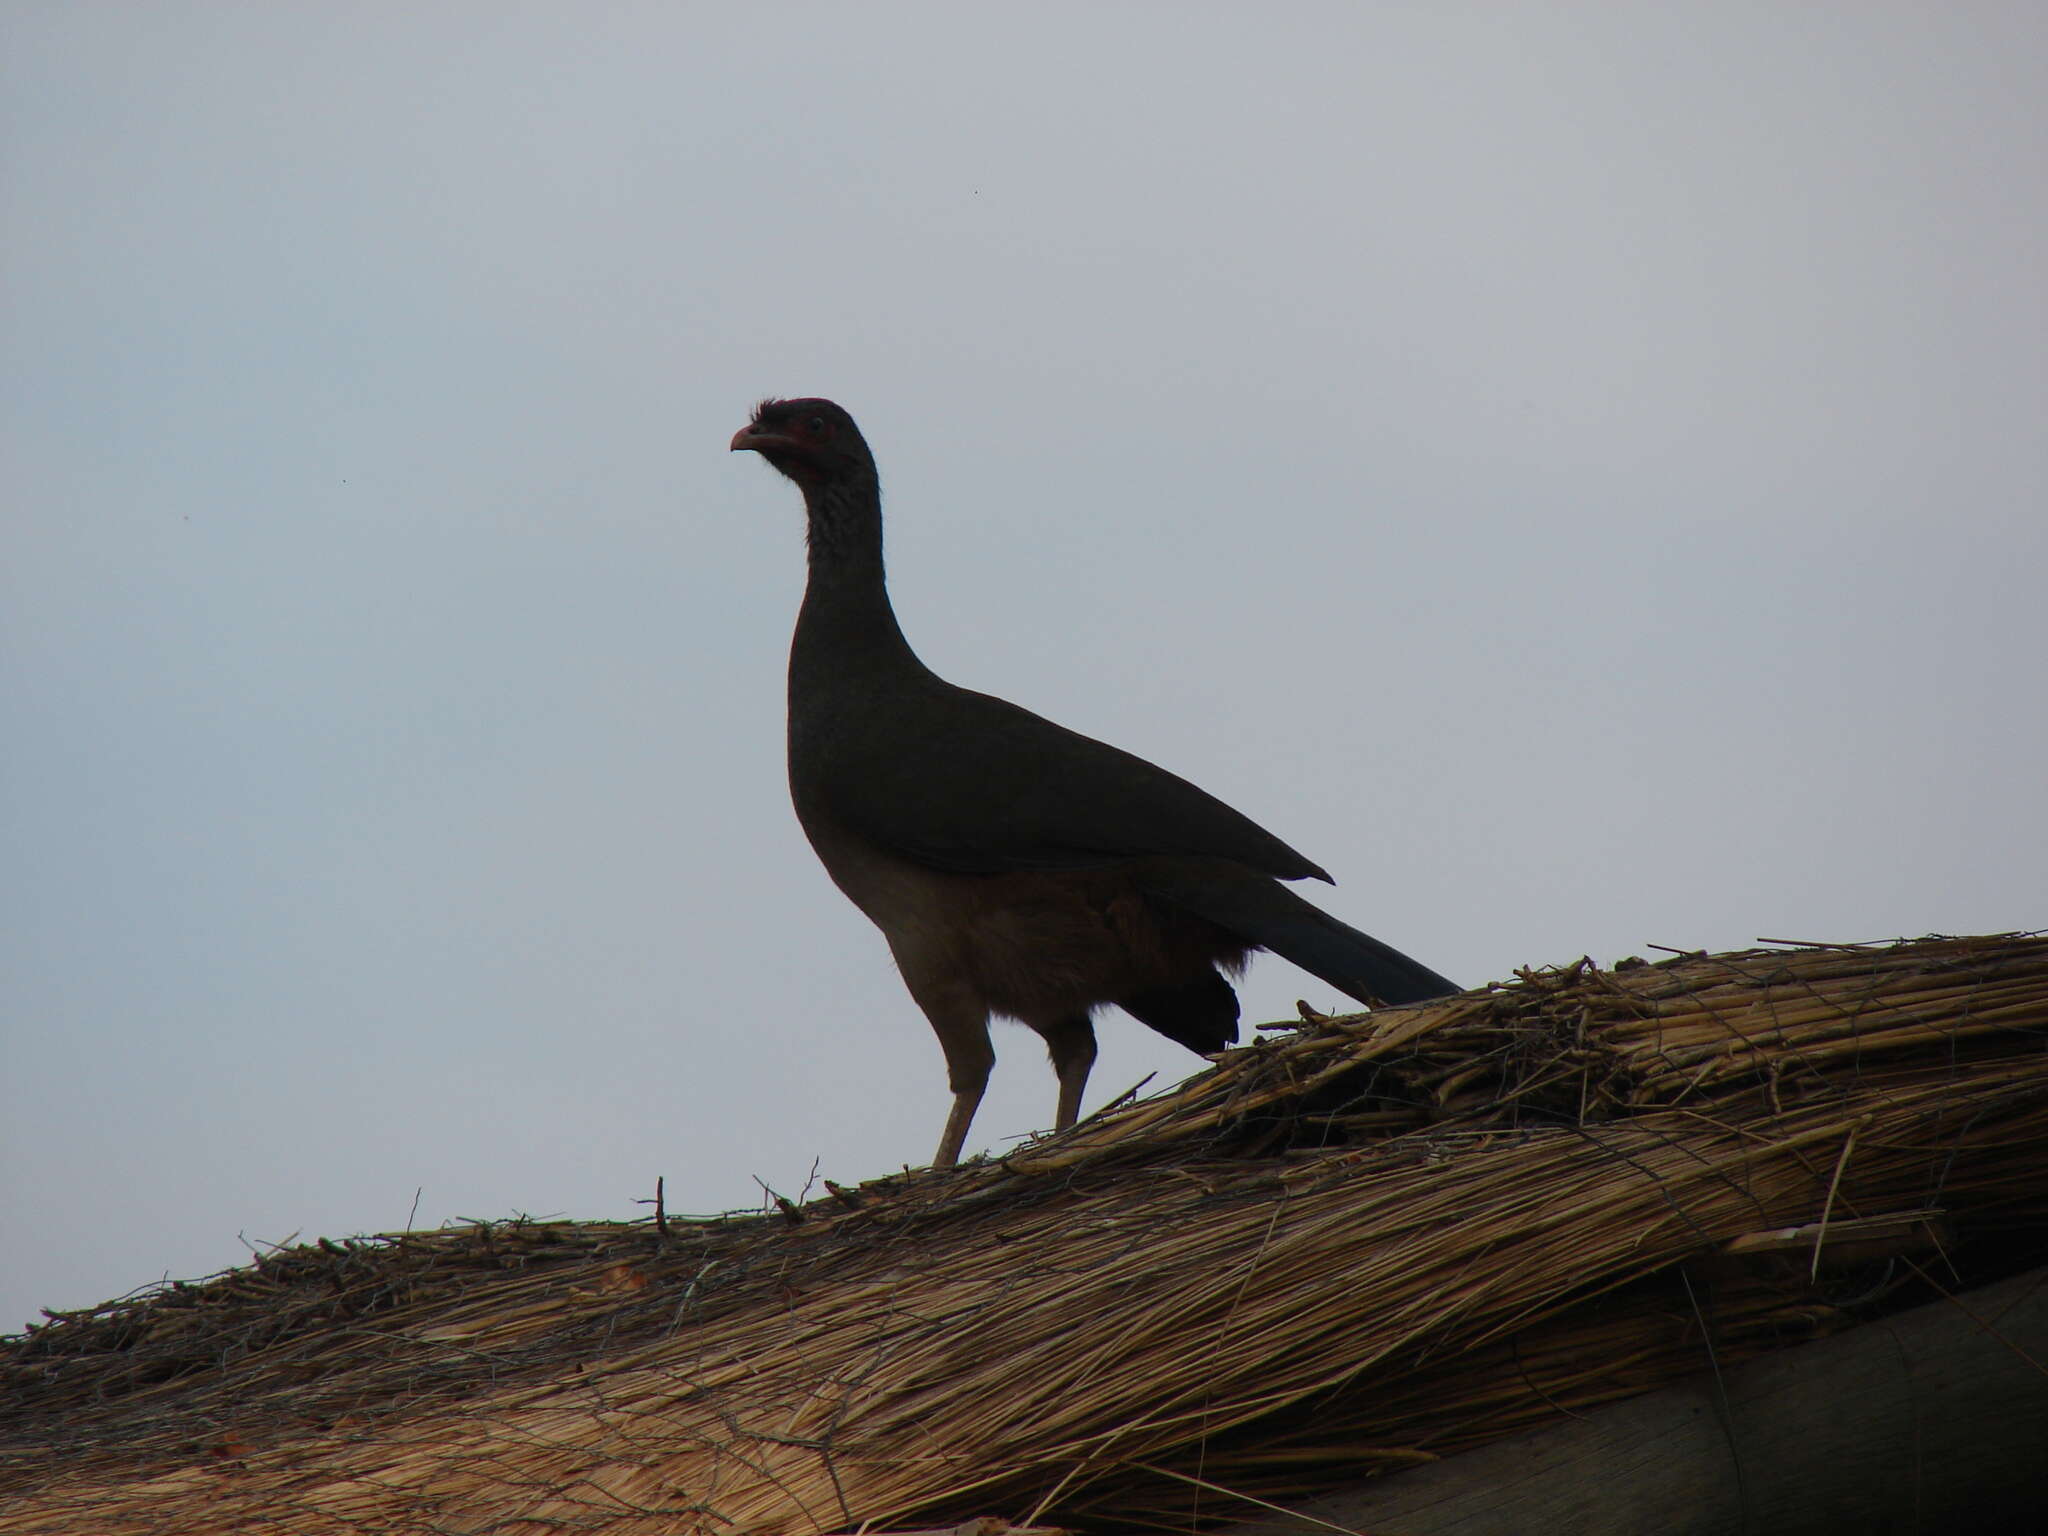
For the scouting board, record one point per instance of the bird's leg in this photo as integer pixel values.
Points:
(1070, 1042)
(963, 1035)
(965, 1102)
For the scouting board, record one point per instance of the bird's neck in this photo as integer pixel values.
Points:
(846, 624)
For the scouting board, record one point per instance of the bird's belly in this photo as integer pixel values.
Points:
(1047, 946)
(1034, 945)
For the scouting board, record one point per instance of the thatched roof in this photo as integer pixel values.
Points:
(1364, 1243)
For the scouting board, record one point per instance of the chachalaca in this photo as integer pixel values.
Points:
(1014, 866)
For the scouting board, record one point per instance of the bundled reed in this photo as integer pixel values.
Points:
(1376, 1241)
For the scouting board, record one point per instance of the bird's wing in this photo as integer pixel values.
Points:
(962, 781)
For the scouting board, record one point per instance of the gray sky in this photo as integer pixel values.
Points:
(1577, 472)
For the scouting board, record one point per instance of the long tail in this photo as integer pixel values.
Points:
(1261, 910)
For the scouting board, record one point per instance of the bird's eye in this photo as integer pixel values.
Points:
(816, 423)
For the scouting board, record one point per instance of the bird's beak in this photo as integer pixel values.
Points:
(751, 436)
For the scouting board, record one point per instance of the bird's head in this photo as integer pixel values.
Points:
(813, 442)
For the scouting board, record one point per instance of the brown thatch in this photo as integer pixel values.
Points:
(1377, 1241)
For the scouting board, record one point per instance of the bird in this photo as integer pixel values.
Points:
(1016, 868)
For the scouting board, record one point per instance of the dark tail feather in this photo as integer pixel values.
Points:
(1199, 1014)
(1264, 912)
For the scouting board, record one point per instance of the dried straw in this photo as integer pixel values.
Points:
(1380, 1240)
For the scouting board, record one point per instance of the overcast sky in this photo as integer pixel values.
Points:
(1576, 471)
